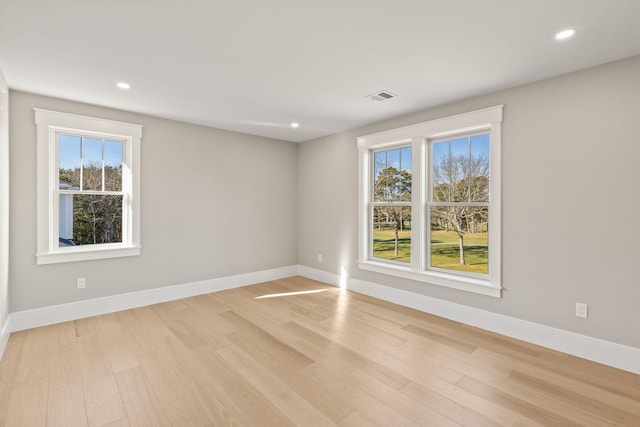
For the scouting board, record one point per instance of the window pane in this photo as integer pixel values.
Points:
(69, 162)
(479, 168)
(379, 165)
(459, 238)
(113, 165)
(440, 176)
(87, 219)
(392, 175)
(391, 231)
(92, 164)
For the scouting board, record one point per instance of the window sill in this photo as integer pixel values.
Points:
(87, 255)
(468, 284)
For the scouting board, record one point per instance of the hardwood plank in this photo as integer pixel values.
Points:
(523, 421)
(116, 341)
(441, 338)
(289, 402)
(171, 387)
(33, 367)
(86, 326)
(66, 401)
(330, 353)
(93, 359)
(28, 406)
(521, 406)
(330, 406)
(144, 327)
(448, 407)
(356, 419)
(8, 371)
(217, 409)
(232, 385)
(589, 405)
(182, 323)
(103, 402)
(469, 401)
(416, 410)
(340, 384)
(576, 386)
(277, 347)
(102, 397)
(140, 401)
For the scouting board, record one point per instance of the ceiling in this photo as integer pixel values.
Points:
(256, 66)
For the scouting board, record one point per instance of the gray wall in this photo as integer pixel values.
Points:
(571, 209)
(4, 202)
(214, 204)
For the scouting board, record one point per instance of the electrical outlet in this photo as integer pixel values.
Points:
(582, 310)
(319, 257)
(81, 283)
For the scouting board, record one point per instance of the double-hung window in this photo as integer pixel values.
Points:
(430, 202)
(88, 188)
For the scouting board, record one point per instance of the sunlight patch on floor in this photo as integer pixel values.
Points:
(288, 294)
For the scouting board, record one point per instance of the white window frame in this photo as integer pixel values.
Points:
(419, 137)
(51, 123)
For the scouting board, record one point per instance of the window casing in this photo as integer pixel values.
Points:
(88, 188)
(454, 178)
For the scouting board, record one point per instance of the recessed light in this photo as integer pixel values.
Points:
(565, 34)
(295, 125)
(123, 85)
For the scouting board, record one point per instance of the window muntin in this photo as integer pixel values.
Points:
(468, 188)
(88, 188)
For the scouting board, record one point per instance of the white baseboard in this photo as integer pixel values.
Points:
(28, 319)
(4, 337)
(594, 349)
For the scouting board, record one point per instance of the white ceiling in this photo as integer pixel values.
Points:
(255, 66)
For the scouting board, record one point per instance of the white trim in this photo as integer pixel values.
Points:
(44, 316)
(608, 353)
(4, 337)
(460, 123)
(469, 284)
(102, 252)
(49, 124)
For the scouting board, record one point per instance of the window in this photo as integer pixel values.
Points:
(430, 202)
(88, 188)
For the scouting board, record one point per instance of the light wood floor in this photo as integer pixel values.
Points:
(326, 357)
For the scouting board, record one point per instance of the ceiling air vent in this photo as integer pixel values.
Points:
(382, 95)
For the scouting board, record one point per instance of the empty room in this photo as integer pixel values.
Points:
(319, 213)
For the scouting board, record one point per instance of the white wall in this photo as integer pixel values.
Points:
(570, 202)
(214, 204)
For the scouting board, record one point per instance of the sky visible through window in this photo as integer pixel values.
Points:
(70, 154)
(477, 145)
(399, 158)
